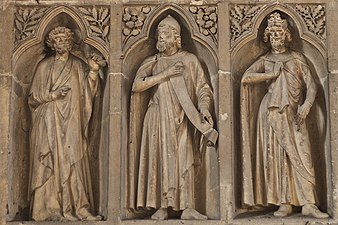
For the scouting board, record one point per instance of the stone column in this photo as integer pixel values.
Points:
(6, 49)
(225, 120)
(332, 28)
(116, 134)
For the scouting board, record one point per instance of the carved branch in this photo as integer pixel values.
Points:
(98, 20)
(133, 19)
(314, 18)
(26, 21)
(206, 18)
(241, 19)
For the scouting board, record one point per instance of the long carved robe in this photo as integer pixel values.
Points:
(60, 177)
(162, 153)
(276, 153)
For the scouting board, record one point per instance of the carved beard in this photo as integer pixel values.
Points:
(164, 45)
(62, 48)
(277, 43)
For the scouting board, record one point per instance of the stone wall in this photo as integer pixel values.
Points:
(123, 32)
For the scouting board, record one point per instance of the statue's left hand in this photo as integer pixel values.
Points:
(95, 62)
(206, 116)
(302, 113)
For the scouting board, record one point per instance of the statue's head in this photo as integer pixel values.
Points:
(168, 34)
(60, 39)
(277, 31)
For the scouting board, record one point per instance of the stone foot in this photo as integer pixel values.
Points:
(192, 214)
(284, 210)
(160, 214)
(313, 211)
(70, 217)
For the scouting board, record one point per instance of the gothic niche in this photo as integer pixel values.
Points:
(178, 178)
(280, 91)
(57, 147)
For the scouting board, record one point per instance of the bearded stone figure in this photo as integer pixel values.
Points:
(177, 126)
(60, 100)
(276, 152)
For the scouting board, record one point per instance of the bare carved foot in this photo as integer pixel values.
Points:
(284, 210)
(312, 210)
(160, 214)
(192, 214)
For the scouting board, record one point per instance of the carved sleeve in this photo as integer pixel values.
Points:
(203, 90)
(256, 73)
(311, 86)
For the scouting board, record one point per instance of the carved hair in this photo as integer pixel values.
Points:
(275, 20)
(176, 34)
(59, 30)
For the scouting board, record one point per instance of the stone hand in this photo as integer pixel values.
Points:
(95, 62)
(175, 70)
(206, 116)
(302, 113)
(60, 92)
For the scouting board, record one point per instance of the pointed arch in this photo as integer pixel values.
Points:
(188, 19)
(43, 24)
(297, 19)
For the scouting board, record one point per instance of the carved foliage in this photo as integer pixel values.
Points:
(98, 19)
(241, 19)
(206, 19)
(26, 21)
(133, 19)
(314, 18)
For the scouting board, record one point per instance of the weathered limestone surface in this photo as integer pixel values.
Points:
(225, 51)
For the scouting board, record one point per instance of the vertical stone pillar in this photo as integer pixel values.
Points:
(225, 119)
(6, 49)
(332, 27)
(116, 136)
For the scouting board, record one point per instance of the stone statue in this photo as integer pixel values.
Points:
(60, 99)
(163, 152)
(279, 171)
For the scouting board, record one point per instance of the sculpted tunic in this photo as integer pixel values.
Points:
(60, 176)
(277, 163)
(169, 142)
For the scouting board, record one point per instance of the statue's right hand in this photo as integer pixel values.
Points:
(60, 92)
(175, 70)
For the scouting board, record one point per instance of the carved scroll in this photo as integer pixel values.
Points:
(206, 19)
(98, 19)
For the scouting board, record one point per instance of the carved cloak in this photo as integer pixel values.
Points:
(59, 138)
(146, 186)
(276, 157)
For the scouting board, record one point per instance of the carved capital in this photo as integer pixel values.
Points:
(133, 20)
(314, 17)
(26, 21)
(98, 21)
(206, 20)
(241, 19)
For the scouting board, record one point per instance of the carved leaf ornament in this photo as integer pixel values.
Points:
(98, 20)
(26, 21)
(133, 19)
(314, 18)
(206, 19)
(241, 17)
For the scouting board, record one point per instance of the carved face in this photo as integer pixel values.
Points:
(61, 43)
(277, 37)
(166, 38)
